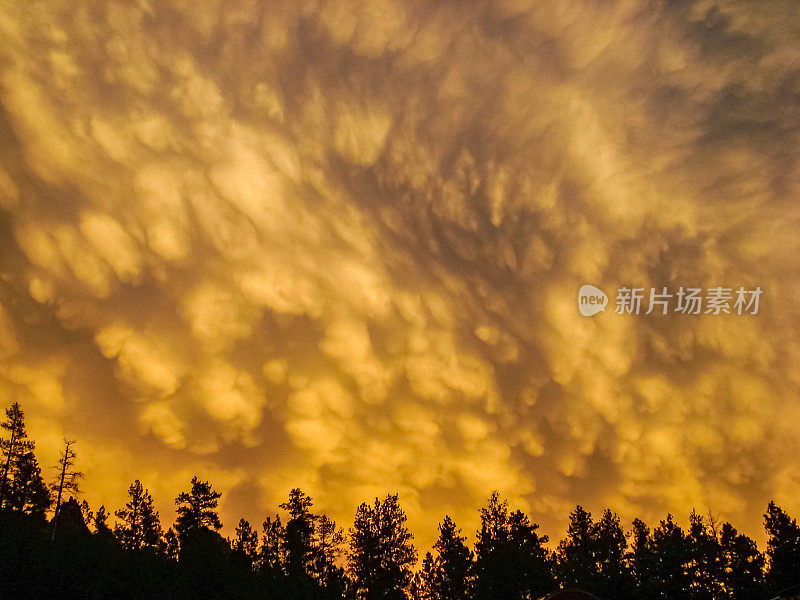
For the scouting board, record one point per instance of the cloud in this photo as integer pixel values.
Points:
(338, 246)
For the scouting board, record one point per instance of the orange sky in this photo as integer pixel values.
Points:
(337, 245)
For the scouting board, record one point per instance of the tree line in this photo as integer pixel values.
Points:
(56, 548)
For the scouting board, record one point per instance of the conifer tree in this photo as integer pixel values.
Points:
(328, 547)
(13, 445)
(381, 551)
(140, 526)
(510, 558)
(576, 552)
(706, 564)
(27, 491)
(298, 534)
(270, 554)
(171, 544)
(744, 565)
(452, 567)
(642, 560)
(197, 508)
(615, 579)
(423, 583)
(66, 481)
(783, 549)
(672, 550)
(101, 527)
(86, 511)
(245, 542)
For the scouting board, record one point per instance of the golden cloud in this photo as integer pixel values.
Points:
(337, 245)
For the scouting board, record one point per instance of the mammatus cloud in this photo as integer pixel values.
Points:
(336, 245)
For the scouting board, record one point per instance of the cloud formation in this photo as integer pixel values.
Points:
(337, 245)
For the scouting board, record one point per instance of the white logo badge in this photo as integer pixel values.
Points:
(591, 300)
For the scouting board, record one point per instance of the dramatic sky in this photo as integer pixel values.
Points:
(337, 245)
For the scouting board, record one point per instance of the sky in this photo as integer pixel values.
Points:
(337, 245)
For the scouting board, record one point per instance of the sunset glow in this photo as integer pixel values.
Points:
(337, 245)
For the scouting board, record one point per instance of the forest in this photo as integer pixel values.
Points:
(54, 546)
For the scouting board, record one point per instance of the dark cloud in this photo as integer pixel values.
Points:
(337, 245)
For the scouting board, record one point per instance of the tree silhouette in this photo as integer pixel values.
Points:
(27, 491)
(207, 562)
(245, 542)
(643, 561)
(614, 577)
(493, 579)
(448, 575)
(270, 553)
(140, 527)
(67, 479)
(743, 565)
(576, 552)
(171, 544)
(86, 511)
(706, 566)
(594, 556)
(381, 551)
(303, 559)
(422, 585)
(298, 534)
(197, 508)
(328, 546)
(14, 446)
(671, 575)
(510, 558)
(783, 548)
(101, 528)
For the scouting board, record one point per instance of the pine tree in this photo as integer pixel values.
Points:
(197, 509)
(706, 562)
(511, 561)
(452, 567)
(15, 446)
(298, 534)
(140, 526)
(532, 561)
(27, 491)
(593, 556)
(643, 561)
(381, 551)
(245, 542)
(783, 549)
(744, 565)
(576, 552)
(101, 527)
(270, 554)
(671, 576)
(328, 546)
(424, 581)
(171, 544)
(614, 577)
(67, 479)
(493, 576)
(88, 515)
